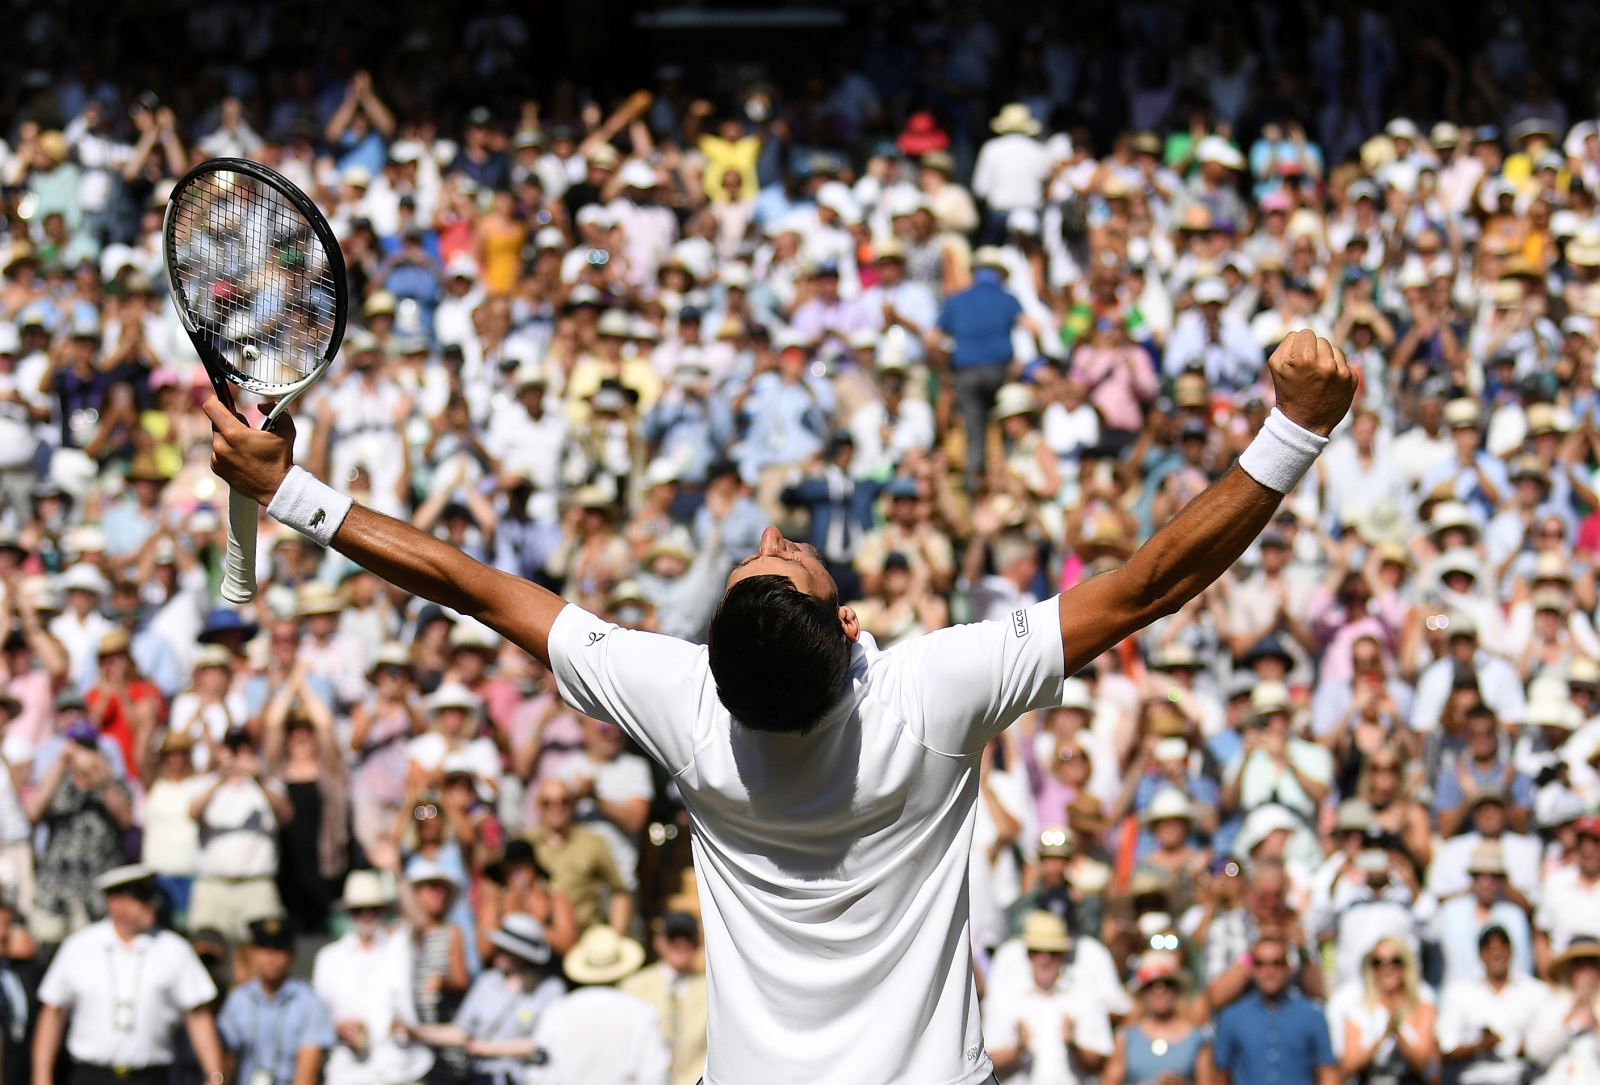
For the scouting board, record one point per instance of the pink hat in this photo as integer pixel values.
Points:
(1276, 201)
(164, 377)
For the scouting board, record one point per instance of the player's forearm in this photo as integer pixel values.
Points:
(1183, 558)
(425, 566)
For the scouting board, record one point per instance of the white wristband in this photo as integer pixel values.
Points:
(309, 505)
(1281, 453)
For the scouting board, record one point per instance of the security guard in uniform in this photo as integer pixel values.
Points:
(275, 1028)
(126, 987)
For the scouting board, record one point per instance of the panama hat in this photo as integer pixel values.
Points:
(1045, 932)
(1014, 117)
(1014, 399)
(1448, 514)
(367, 889)
(314, 598)
(1486, 859)
(521, 935)
(602, 956)
(1168, 804)
(452, 695)
(1581, 948)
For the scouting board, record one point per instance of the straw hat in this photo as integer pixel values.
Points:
(1014, 399)
(602, 956)
(1486, 859)
(1045, 932)
(367, 889)
(1581, 948)
(315, 597)
(1014, 117)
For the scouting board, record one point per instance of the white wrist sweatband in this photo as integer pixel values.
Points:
(1281, 453)
(310, 506)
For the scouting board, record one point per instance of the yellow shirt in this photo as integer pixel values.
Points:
(722, 156)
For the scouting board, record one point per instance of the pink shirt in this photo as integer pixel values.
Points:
(1120, 380)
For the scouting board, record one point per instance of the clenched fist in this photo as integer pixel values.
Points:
(251, 461)
(1314, 382)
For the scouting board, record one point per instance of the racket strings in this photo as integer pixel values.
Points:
(254, 277)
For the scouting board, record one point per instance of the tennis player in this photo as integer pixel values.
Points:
(831, 786)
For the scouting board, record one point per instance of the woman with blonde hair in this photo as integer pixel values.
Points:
(1389, 1038)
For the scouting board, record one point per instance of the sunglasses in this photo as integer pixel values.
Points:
(1272, 962)
(555, 802)
(1387, 962)
(423, 813)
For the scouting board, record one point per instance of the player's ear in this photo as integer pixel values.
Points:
(850, 624)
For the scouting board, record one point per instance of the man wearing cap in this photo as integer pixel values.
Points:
(1460, 920)
(495, 1023)
(1012, 167)
(1487, 818)
(81, 626)
(1213, 341)
(809, 759)
(1562, 1033)
(365, 980)
(1052, 1031)
(676, 986)
(274, 1028)
(1472, 474)
(1484, 1019)
(597, 1034)
(1496, 679)
(125, 987)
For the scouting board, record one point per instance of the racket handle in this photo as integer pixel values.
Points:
(239, 572)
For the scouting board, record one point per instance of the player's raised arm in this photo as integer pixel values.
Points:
(1315, 386)
(261, 464)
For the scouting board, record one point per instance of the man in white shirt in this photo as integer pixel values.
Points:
(598, 1035)
(125, 990)
(1051, 1033)
(1483, 1021)
(1013, 166)
(1571, 903)
(831, 787)
(364, 978)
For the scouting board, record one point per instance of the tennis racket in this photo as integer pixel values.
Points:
(259, 283)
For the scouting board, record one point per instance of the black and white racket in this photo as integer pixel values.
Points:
(259, 283)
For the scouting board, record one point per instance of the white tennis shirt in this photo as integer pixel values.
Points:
(832, 866)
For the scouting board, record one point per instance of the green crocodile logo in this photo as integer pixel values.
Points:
(317, 518)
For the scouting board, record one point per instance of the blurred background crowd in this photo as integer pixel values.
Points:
(973, 298)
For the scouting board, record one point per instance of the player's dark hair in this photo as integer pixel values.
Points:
(779, 656)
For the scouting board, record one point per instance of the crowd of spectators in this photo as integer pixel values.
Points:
(1337, 819)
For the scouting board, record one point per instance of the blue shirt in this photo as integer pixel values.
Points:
(269, 1031)
(1280, 1043)
(979, 319)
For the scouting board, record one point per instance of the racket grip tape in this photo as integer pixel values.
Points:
(239, 571)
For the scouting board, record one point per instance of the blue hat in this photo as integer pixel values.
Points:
(223, 620)
(902, 487)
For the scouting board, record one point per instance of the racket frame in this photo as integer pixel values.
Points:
(239, 582)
